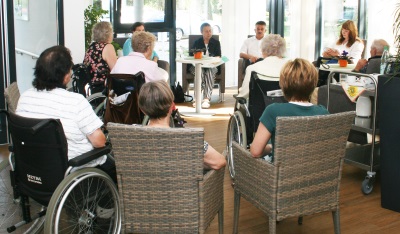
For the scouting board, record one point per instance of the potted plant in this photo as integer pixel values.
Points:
(93, 14)
(198, 53)
(343, 59)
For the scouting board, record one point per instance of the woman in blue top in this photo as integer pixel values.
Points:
(297, 80)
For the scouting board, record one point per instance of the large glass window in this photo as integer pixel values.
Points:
(190, 14)
(334, 14)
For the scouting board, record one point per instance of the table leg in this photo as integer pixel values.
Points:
(197, 87)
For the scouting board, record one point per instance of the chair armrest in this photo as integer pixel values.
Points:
(258, 187)
(89, 156)
(164, 65)
(241, 100)
(211, 190)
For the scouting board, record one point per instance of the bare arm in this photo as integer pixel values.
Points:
(259, 146)
(252, 58)
(213, 159)
(330, 52)
(109, 55)
(97, 138)
(360, 64)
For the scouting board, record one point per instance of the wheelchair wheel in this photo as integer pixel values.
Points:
(86, 201)
(236, 133)
(97, 101)
(10, 209)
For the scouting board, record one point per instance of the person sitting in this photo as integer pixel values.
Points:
(211, 48)
(49, 99)
(348, 41)
(139, 59)
(250, 50)
(127, 48)
(297, 80)
(156, 101)
(374, 62)
(273, 48)
(100, 57)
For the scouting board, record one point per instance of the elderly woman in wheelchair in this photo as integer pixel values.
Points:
(297, 80)
(59, 157)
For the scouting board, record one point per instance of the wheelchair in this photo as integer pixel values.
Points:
(93, 92)
(244, 122)
(43, 189)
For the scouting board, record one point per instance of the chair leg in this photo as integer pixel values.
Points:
(236, 212)
(336, 221)
(221, 219)
(272, 226)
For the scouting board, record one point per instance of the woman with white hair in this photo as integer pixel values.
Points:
(100, 56)
(140, 59)
(273, 48)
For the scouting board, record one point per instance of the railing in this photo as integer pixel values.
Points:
(24, 52)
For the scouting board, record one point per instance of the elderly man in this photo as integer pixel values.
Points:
(372, 65)
(251, 46)
(49, 99)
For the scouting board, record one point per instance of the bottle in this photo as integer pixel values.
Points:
(384, 59)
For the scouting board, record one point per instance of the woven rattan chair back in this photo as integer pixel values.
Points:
(305, 176)
(11, 93)
(161, 181)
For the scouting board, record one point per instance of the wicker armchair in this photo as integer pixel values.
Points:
(11, 93)
(305, 176)
(161, 181)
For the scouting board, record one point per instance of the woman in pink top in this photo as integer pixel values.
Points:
(139, 59)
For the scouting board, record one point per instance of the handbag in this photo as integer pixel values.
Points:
(179, 95)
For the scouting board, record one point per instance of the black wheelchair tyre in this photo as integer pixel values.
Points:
(86, 201)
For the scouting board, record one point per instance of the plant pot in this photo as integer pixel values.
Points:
(343, 62)
(198, 55)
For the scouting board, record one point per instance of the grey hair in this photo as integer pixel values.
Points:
(141, 41)
(102, 31)
(379, 45)
(273, 45)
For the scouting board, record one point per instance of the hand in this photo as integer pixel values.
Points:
(253, 59)
(360, 64)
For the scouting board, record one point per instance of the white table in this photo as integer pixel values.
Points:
(336, 68)
(197, 81)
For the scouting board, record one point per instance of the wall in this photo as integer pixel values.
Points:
(34, 35)
(74, 30)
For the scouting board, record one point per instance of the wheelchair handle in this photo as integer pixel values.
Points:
(42, 124)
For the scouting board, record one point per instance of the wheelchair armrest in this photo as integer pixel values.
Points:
(89, 156)
(241, 100)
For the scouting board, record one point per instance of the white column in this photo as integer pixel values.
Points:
(74, 29)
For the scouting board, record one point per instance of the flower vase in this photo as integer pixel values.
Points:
(343, 62)
(198, 55)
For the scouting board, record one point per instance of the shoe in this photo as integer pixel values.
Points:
(205, 104)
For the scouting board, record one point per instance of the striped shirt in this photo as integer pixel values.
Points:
(73, 110)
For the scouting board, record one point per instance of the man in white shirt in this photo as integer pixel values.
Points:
(251, 46)
(49, 99)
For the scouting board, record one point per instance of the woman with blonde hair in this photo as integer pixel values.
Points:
(297, 80)
(348, 41)
(273, 48)
(156, 100)
(100, 56)
(140, 58)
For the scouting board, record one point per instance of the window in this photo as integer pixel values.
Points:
(334, 14)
